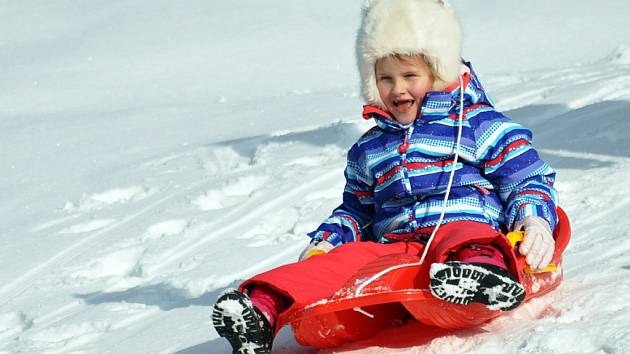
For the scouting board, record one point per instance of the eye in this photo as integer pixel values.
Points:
(411, 75)
(385, 78)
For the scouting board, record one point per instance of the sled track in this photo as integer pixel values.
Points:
(183, 250)
(23, 283)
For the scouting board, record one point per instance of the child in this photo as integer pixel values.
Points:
(441, 165)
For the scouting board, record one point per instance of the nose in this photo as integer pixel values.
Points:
(400, 86)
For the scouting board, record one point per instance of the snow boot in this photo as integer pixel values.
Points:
(235, 318)
(477, 273)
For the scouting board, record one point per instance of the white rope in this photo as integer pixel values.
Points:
(444, 204)
(460, 123)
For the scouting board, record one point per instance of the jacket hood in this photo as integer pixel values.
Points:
(437, 104)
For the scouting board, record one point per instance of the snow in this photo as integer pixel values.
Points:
(155, 153)
(106, 198)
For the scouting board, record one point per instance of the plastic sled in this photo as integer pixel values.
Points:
(390, 299)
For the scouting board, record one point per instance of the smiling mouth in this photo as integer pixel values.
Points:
(403, 103)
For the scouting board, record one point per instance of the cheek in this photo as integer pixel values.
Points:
(383, 91)
(421, 88)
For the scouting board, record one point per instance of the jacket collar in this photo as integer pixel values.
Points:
(437, 104)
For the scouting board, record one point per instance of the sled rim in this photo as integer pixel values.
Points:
(330, 306)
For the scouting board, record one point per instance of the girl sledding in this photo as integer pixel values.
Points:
(431, 193)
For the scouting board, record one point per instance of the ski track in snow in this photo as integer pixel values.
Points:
(70, 252)
(122, 262)
(24, 283)
(249, 217)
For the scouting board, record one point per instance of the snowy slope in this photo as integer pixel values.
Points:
(153, 153)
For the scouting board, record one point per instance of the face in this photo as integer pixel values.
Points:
(402, 83)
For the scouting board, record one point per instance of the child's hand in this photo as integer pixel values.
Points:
(315, 248)
(538, 245)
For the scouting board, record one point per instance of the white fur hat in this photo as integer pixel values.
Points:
(408, 27)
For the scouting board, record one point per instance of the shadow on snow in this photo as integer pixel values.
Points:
(164, 296)
(598, 128)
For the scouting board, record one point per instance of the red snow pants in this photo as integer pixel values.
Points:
(319, 277)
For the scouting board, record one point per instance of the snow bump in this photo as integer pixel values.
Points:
(107, 198)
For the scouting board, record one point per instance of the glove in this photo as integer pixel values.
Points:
(315, 248)
(538, 245)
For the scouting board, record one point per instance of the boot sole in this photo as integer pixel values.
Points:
(463, 283)
(234, 318)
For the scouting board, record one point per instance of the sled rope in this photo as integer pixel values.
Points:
(460, 124)
(446, 195)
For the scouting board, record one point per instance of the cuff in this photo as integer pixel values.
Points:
(331, 237)
(533, 209)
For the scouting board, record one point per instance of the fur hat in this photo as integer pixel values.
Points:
(408, 27)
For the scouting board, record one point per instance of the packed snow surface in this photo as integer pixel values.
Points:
(155, 153)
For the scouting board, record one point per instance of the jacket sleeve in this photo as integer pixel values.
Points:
(349, 221)
(524, 182)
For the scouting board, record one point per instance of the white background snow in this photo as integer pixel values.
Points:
(153, 153)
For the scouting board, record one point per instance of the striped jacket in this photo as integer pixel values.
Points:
(396, 176)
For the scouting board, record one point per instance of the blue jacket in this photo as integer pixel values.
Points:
(396, 176)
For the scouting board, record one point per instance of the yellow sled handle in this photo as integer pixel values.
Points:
(516, 237)
(312, 253)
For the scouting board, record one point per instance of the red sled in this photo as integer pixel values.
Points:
(391, 298)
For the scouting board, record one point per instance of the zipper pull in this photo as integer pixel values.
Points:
(402, 148)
